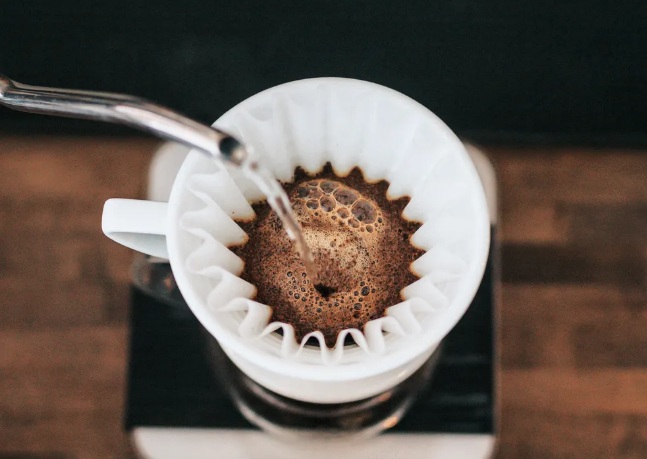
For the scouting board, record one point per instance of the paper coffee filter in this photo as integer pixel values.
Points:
(390, 138)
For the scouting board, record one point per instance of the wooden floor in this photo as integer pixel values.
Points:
(573, 374)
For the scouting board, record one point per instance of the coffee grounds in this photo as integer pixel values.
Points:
(361, 244)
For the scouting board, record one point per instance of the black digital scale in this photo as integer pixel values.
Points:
(177, 408)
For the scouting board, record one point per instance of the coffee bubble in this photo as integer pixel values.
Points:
(327, 203)
(328, 187)
(345, 196)
(364, 211)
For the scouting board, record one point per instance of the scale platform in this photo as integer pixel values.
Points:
(176, 408)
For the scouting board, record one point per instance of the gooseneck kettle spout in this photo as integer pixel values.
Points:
(122, 109)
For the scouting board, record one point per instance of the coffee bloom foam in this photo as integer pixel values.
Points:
(402, 145)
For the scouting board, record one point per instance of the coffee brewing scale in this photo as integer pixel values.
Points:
(177, 409)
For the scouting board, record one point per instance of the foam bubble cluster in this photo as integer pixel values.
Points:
(349, 206)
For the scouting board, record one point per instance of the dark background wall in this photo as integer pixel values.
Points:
(496, 71)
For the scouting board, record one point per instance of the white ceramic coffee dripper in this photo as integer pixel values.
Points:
(308, 123)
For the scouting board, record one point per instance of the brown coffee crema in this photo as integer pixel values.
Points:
(362, 247)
